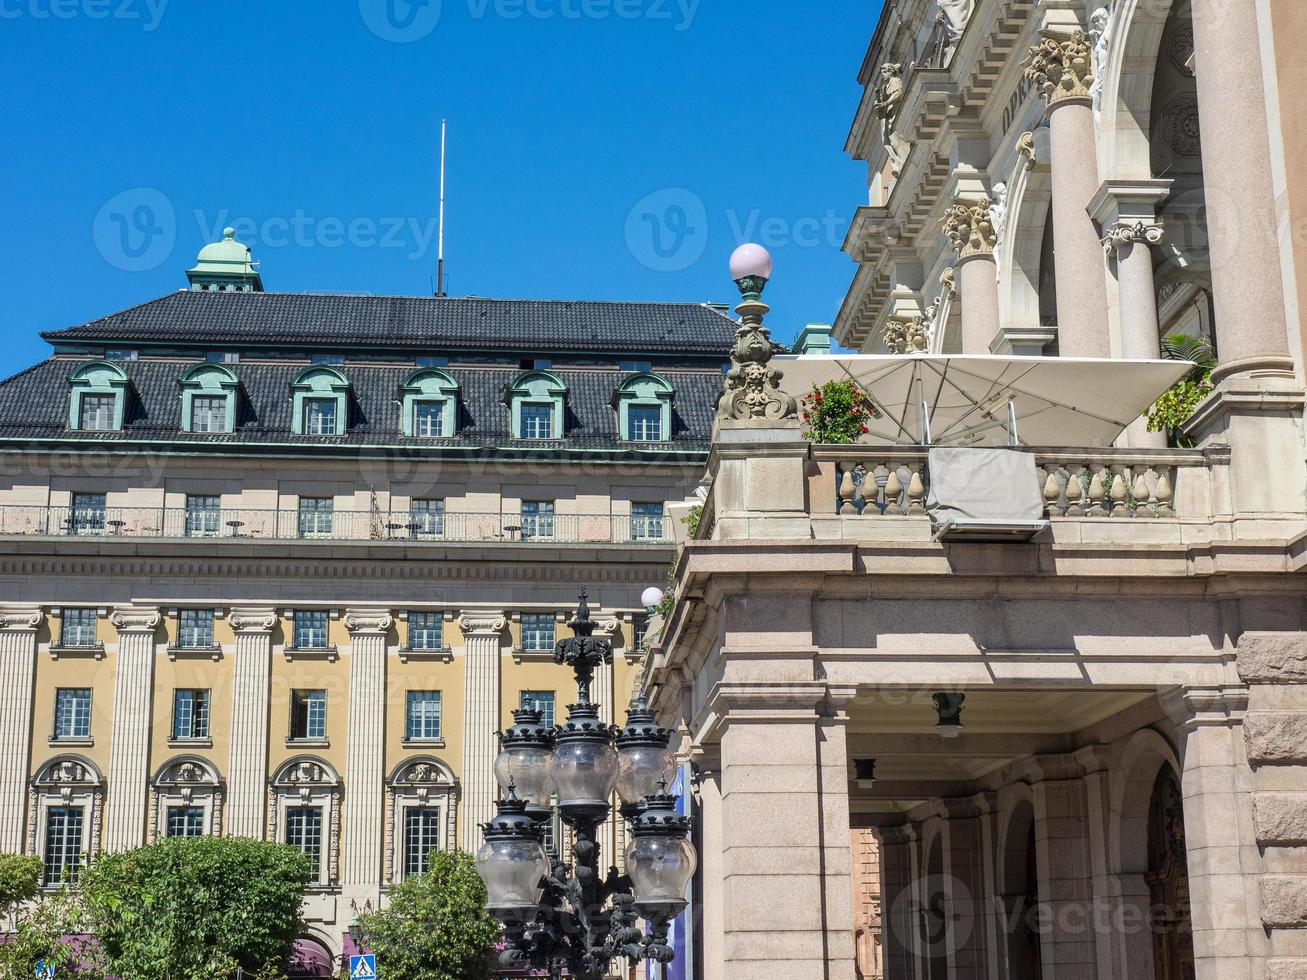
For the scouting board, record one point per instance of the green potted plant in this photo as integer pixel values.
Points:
(836, 413)
(1177, 404)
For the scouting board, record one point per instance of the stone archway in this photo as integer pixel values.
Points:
(935, 925)
(1168, 881)
(1020, 894)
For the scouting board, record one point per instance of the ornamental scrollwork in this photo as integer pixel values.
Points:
(134, 620)
(20, 618)
(252, 620)
(1062, 65)
(368, 620)
(752, 384)
(1129, 233)
(482, 624)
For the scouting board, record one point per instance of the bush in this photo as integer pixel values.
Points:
(195, 908)
(1177, 404)
(20, 879)
(435, 926)
(42, 934)
(836, 413)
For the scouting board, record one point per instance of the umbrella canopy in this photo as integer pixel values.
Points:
(1057, 401)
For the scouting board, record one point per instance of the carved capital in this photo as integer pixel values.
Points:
(135, 619)
(20, 619)
(1062, 66)
(905, 335)
(970, 228)
(482, 624)
(368, 620)
(1125, 233)
(246, 619)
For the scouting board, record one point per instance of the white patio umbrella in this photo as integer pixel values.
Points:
(985, 400)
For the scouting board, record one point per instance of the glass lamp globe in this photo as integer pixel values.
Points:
(645, 763)
(524, 761)
(512, 863)
(584, 772)
(659, 859)
(651, 596)
(750, 260)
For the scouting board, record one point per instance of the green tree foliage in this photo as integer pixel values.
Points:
(836, 413)
(20, 879)
(1177, 404)
(41, 935)
(196, 908)
(435, 926)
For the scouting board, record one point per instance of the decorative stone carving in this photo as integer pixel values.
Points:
(482, 624)
(949, 280)
(20, 618)
(1129, 233)
(957, 13)
(1061, 66)
(131, 619)
(1026, 148)
(1178, 125)
(970, 228)
(245, 620)
(998, 216)
(752, 384)
(1100, 32)
(904, 335)
(889, 100)
(368, 620)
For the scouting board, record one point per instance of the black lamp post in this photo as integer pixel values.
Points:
(563, 917)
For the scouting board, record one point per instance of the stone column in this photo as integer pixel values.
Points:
(129, 737)
(482, 635)
(366, 751)
(1224, 866)
(1060, 67)
(967, 884)
(787, 905)
(898, 907)
(708, 841)
(1067, 943)
(18, 626)
(970, 230)
(248, 775)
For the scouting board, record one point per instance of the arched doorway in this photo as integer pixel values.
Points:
(311, 961)
(1021, 895)
(1168, 881)
(935, 924)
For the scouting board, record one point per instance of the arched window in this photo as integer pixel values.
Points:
(429, 401)
(304, 812)
(99, 397)
(209, 399)
(186, 799)
(321, 402)
(420, 795)
(67, 807)
(644, 408)
(536, 401)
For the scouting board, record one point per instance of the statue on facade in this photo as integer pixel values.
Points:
(889, 100)
(998, 218)
(1100, 33)
(752, 384)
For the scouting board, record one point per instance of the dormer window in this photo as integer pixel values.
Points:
(321, 402)
(429, 403)
(209, 399)
(536, 401)
(644, 408)
(98, 397)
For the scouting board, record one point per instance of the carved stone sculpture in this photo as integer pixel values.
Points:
(906, 335)
(752, 384)
(970, 228)
(1061, 66)
(1100, 32)
(1026, 148)
(889, 100)
(1128, 233)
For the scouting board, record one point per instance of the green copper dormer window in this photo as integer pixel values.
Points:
(98, 398)
(209, 399)
(429, 405)
(536, 402)
(321, 402)
(644, 408)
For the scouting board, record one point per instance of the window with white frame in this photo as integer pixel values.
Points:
(304, 833)
(310, 629)
(537, 520)
(195, 629)
(426, 631)
(185, 821)
(209, 413)
(72, 713)
(316, 516)
(304, 812)
(537, 632)
(63, 843)
(541, 701)
(422, 831)
(190, 714)
(67, 800)
(98, 412)
(537, 421)
(187, 797)
(428, 516)
(429, 419)
(320, 416)
(87, 514)
(644, 423)
(224, 357)
(203, 515)
(422, 716)
(308, 715)
(647, 522)
(77, 628)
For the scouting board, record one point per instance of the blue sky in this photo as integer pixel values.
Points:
(599, 149)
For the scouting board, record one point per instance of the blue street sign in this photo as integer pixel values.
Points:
(44, 970)
(363, 967)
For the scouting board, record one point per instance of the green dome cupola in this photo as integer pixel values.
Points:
(225, 266)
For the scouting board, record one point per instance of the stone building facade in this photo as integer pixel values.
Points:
(1125, 795)
(279, 565)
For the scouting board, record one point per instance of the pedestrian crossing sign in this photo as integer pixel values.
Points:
(363, 967)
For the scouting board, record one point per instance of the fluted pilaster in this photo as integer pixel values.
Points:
(18, 625)
(482, 642)
(246, 781)
(365, 753)
(129, 743)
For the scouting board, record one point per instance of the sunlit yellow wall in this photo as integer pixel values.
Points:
(80, 670)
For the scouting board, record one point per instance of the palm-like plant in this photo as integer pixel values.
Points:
(1177, 405)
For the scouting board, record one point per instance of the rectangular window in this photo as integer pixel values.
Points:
(641, 628)
(537, 520)
(72, 713)
(542, 701)
(185, 821)
(195, 629)
(63, 843)
(537, 421)
(203, 516)
(635, 367)
(209, 413)
(97, 412)
(78, 629)
(315, 516)
(308, 715)
(320, 416)
(428, 518)
(432, 362)
(87, 515)
(647, 522)
(190, 714)
(310, 629)
(421, 837)
(224, 357)
(426, 630)
(644, 423)
(537, 631)
(422, 716)
(336, 359)
(304, 832)
(120, 355)
(429, 419)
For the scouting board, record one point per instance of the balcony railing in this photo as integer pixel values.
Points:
(291, 525)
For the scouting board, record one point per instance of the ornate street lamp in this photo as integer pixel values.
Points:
(563, 917)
